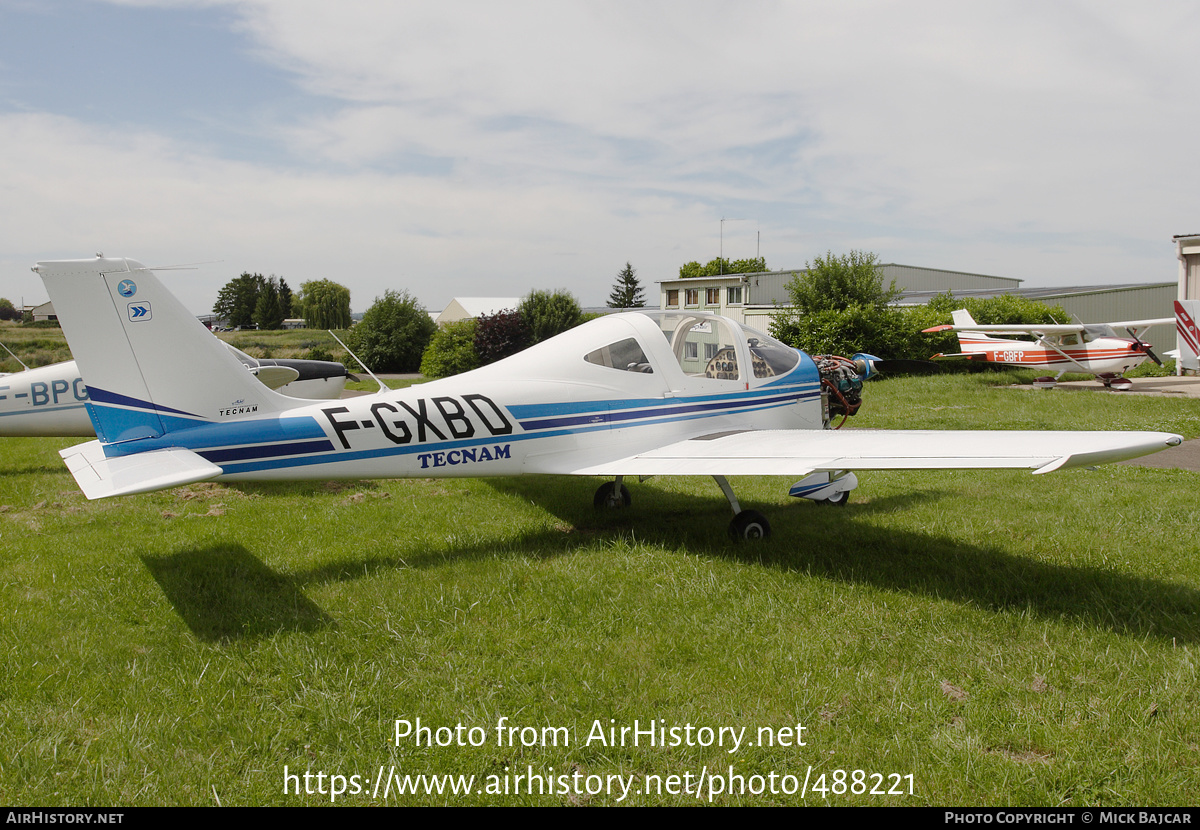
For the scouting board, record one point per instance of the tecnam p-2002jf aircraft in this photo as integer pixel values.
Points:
(624, 395)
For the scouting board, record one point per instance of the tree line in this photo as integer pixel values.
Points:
(838, 305)
(254, 300)
(468, 344)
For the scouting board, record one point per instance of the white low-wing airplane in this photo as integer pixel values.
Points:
(51, 401)
(624, 395)
(1071, 347)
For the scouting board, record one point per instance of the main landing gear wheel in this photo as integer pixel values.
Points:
(749, 524)
(612, 496)
(836, 501)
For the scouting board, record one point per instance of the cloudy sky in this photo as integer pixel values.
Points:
(487, 148)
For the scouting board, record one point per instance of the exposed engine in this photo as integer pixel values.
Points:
(841, 386)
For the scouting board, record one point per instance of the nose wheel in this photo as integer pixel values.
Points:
(747, 524)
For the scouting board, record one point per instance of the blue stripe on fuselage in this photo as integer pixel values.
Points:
(663, 408)
(233, 454)
(105, 397)
(661, 416)
(549, 410)
(231, 434)
(280, 441)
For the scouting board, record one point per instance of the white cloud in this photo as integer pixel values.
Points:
(952, 108)
(72, 191)
(484, 148)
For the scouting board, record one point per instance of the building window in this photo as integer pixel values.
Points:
(712, 296)
(691, 350)
(672, 298)
(710, 351)
(691, 296)
(733, 295)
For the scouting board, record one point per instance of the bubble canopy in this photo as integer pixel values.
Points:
(704, 345)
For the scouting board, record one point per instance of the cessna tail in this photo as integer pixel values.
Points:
(1187, 333)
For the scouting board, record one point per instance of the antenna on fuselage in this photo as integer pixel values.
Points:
(382, 386)
(14, 357)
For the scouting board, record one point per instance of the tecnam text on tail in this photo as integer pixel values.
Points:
(624, 395)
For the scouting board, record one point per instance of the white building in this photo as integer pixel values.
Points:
(754, 299)
(463, 308)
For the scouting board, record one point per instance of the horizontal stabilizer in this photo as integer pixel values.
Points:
(99, 477)
(793, 452)
(273, 377)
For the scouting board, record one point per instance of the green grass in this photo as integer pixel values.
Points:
(1003, 638)
(292, 343)
(40, 346)
(34, 345)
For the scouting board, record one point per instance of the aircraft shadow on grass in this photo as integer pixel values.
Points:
(225, 592)
(837, 544)
(51, 468)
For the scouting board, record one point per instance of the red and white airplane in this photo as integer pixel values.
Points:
(1094, 349)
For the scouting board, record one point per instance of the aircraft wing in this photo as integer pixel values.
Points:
(99, 476)
(1061, 328)
(799, 452)
(1053, 328)
(1142, 324)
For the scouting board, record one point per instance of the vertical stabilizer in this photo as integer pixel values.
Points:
(963, 319)
(1187, 333)
(968, 340)
(149, 365)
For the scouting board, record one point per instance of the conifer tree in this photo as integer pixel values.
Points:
(627, 292)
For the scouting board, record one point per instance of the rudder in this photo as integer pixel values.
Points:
(1187, 334)
(149, 365)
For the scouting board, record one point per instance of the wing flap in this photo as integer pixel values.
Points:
(99, 477)
(799, 452)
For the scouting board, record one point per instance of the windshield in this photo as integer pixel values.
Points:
(705, 345)
(770, 357)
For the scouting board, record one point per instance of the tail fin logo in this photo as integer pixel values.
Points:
(140, 312)
(126, 288)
